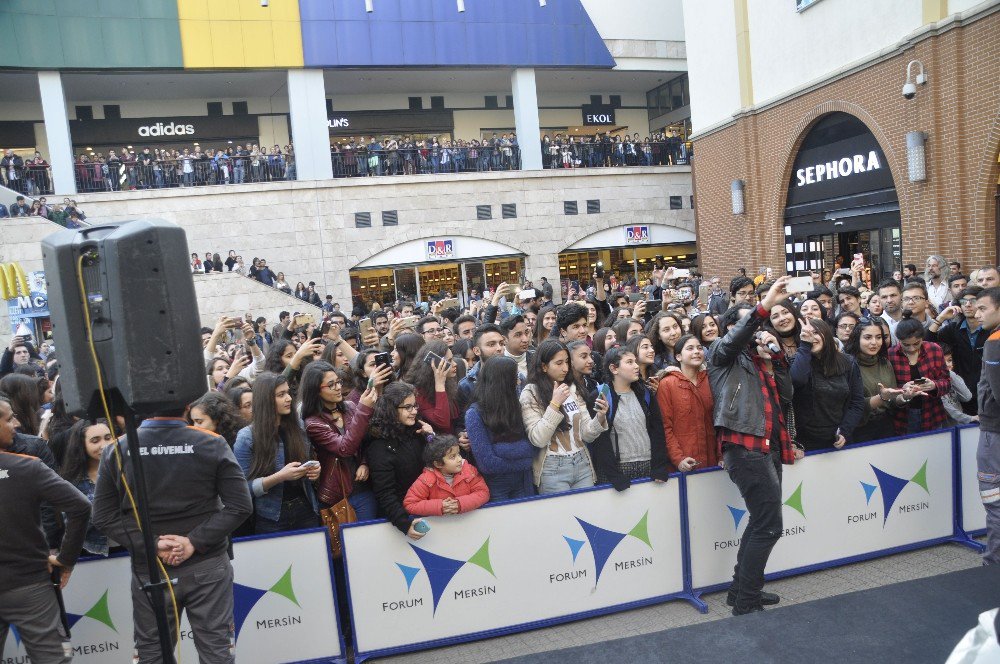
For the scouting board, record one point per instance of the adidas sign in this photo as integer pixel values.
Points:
(169, 129)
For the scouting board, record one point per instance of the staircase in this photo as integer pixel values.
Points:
(230, 294)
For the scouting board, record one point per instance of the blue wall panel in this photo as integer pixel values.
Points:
(500, 33)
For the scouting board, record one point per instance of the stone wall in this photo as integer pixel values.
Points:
(229, 294)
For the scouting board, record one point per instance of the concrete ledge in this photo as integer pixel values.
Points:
(230, 294)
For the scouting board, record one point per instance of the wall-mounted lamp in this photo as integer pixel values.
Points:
(916, 159)
(739, 200)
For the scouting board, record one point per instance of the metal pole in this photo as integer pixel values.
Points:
(635, 265)
(465, 286)
(416, 277)
(153, 590)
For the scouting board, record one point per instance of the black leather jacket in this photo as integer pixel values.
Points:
(739, 402)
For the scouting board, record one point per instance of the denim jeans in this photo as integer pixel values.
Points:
(508, 486)
(364, 504)
(296, 514)
(758, 476)
(562, 473)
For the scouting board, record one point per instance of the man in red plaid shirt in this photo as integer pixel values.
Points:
(750, 382)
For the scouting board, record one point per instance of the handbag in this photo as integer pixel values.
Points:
(336, 515)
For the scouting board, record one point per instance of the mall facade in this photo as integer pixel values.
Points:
(808, 149)
(313, 79)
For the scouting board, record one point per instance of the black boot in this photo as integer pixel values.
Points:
(766, 599)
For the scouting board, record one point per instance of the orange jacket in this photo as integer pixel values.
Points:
(429, 491)
(686, 410)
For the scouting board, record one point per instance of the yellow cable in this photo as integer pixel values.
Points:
(118, 458)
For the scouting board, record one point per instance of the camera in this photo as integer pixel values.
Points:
(909, 90)
(600, 269)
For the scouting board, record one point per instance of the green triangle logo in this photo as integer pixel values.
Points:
(795, 500)
(482, 558)
(641, 530)
(921, 477)
(283, 587)
(101, 613)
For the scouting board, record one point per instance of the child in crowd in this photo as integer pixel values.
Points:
(448, 485)
(957, 395)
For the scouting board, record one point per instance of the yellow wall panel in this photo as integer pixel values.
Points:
(288, 44)
(192, 10)
(258, 44)
(240, 33)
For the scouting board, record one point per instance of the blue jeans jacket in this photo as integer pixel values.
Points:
(94, 542)
(268, 503)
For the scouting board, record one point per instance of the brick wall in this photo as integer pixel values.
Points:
(951, 213)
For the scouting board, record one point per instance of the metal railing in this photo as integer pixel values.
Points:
(195, 171)
(607, 154)
(364, 161)
(29, 179)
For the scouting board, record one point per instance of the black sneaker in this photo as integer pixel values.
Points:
(742, 612)
(767, 599)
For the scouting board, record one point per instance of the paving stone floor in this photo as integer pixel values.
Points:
(825, 583)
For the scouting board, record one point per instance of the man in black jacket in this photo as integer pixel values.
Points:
(750, 382)
(197, 497)
(27, 599)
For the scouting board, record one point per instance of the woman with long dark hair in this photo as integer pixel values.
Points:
(686, 406)
(869, 346)
(829, 395)
(645, 356)
(395, 453)
(558, 422)
(56, 430)
(363, 368)
(604, 339)
(783, 322)
(405, 351)
(242, 398)
(285, 359)
(273, 452)
(85, 441)
(920, 368)
(336, 429)
(582, 362)
(500, 445)
(215, 412)
(633, 446)
(544, 323)
(664, 329)
(22, 392)
(437, 389)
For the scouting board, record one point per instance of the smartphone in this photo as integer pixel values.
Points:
(681, 273)
(599, 270)
(304, 319)
(422, 526)
(527, 294)
(431, 358)
(312, 463)
(603, 390)
(448, 303)
(409, 321)
(635, 297)
(383, 360)
(371, 382)
(799, 285)
(364, 327)
(236, 322)
(859, 258)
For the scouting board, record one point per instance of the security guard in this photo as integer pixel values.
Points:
(27, 599)
(197, 497)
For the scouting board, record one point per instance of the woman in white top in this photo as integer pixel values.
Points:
(558, 422)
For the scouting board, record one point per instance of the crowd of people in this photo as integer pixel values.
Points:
(29, 176)
(67, 213)
(404, 414)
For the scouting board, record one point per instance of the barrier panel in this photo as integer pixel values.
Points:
(838, 507)
(284, 608)
(970, 503)
(513, 566)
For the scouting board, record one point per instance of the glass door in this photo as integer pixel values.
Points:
(406, 284)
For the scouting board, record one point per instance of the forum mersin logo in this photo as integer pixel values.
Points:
(793, 501)
(441, 569)
(891, 486)
(99, 612)
(245, 598)
(603, 542)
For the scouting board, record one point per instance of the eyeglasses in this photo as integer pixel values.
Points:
(846, 326)
(334, 384)
(914, 298)
(968, 301)
(411, 408)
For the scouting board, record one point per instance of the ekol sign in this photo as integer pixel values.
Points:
(168, 129)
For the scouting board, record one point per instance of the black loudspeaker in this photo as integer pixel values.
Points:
(142, 308)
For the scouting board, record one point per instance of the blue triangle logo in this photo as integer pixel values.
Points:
(738, 515)
(574, 546)
(891, 487)
(440, 571)
(602, 543)
(244, 599)
(409, 573)
(869, 490)
(17, 634)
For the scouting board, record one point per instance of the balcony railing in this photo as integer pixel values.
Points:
(117, 175)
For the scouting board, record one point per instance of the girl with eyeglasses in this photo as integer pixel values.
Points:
(395, 453)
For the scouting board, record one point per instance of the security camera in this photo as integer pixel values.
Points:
(263, 3)
(910, 88)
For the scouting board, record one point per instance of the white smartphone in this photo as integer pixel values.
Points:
(312, 463)
(681, 273)
(799, 285)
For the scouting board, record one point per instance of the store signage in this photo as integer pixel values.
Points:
(637, 235)
(31, 304)
(439, 250)
(598, 115)
(844, 167)
(394, 122)
(169, 129)
(334, 123)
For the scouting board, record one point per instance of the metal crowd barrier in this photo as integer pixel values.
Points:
(117, 175)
